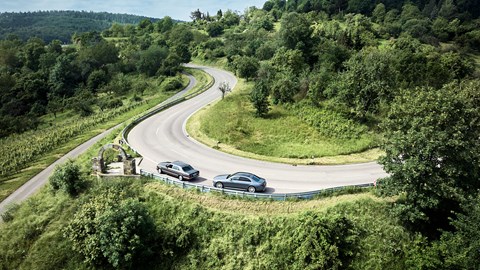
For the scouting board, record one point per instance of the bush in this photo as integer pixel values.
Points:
(172, 84)
(111, 231)
(9, 213)
(110, 103)
(67, 177)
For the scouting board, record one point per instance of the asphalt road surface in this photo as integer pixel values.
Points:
(162, 137)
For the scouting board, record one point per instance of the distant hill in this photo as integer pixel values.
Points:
(50, 25)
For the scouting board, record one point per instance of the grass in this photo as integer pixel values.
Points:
(230, 126)
(213, 225)
(202, 78)
(240, 206)
(220, 63)
(8, 184)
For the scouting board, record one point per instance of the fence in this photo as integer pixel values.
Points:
(276, 196)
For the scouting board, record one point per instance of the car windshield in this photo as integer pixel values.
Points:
(187, 168)
(256, 178)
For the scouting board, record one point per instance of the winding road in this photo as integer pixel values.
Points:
(163, 137)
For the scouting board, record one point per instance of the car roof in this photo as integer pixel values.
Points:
(245, 174)
(179, 163)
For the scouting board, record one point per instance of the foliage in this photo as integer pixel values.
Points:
(259, 98)
(61, 25)
(366, 83)
(246, 67)
(460, 249)
(67, 178)
(224, 87)
(111, 230)
(432, 151)
(329, 123)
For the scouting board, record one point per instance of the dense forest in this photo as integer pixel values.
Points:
(38, 77)
(61, 25)
(407, 70)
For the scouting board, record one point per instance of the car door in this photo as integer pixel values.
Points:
(232, 182)
(176, 170)
(243, 182)
(168, 169)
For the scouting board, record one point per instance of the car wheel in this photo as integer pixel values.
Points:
(180, 178)
(251, 189)
(160, 171)
(219, 185)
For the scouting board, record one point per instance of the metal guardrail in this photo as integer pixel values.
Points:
(203, 188)
(276, 196)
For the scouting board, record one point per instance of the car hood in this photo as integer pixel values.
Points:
(221, 177)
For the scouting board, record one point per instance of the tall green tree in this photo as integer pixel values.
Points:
(246, 66)
(433, 152)
(259, 98)
(295, 32)
(368, 80)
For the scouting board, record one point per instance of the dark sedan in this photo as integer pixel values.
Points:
(240, 180)
(178, 169)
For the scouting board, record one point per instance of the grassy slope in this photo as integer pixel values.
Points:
(281, 138)
(242, 229)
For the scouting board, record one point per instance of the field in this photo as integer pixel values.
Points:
(230, 125)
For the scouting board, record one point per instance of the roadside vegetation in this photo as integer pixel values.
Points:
(186, 230)
(398, 75)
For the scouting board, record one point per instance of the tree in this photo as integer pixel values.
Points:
(246, 66)
(378, 13)
(259, 98)
(214, 29)
(284, 88)
(295, 32)
(196, 15)
(32, 51)
(165, 24)
(368, 80)
(64, 76)
(460, 248)
(448, 10)
(433, 152)
(224, 87)
(67, 178)
(112, 231)
(151, 59)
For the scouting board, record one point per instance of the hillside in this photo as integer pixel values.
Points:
(400, 75)
(50, 25)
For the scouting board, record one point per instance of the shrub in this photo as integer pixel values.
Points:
(111, 231)
(67, 178)
(172, 84)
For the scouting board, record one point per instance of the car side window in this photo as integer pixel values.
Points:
(244, 179)
(175, 167)
(169, 166)
(235, 178)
